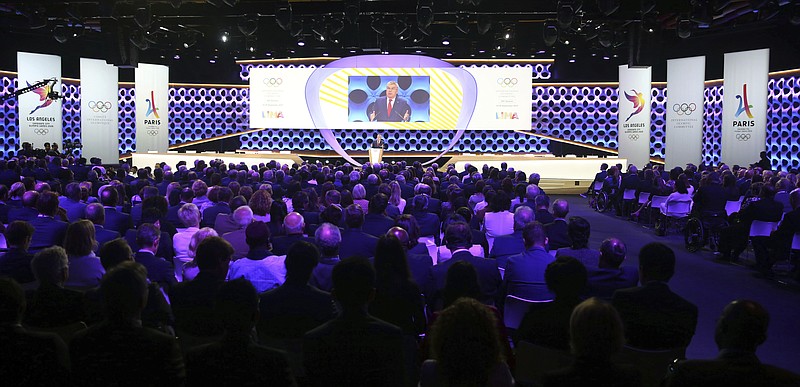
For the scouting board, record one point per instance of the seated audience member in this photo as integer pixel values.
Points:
(398, 299)
(428, 222)
(261, 267)
(148, 238)
(420, 265)
(524, 275)
(116, 220)
(459, 239)
(579, 230)
(328, 239)
(376, 223)
(225, 222)
(27, 209)
(51, 305)
(71, 202)
(261, 204)
(201, 200)
(543, 214)
(293, 226)
(356, 242)
(189, 215)
(237, 238)
(85, 269)
(236, 359)
(558, 230)
(548, 324)
(531, 192)
(294, 308)
(443, 253)
(354, 348)
(654, 316)
(190, 270)
(608, 277)
(96, 214)
(741, 329)
(465, 349)
(781, 239)
(669, 207)
(192, 301)
(137, 209)
(48, 231)
(27, 358)
(498, 220)
(16, 262)
(409, 223)
(512, 244)
(153, 216)
(595, 336)
(221, 198)
(733, 239)
(120, 348)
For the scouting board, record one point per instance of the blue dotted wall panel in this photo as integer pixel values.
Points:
(712, 130)
(9, 124)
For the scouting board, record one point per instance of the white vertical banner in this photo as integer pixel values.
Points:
(744, 106)
(40, 116)
(99, 110)
(633, 132)
(685, 87)
(152, 108)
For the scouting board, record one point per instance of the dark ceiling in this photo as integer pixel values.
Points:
(586, 38)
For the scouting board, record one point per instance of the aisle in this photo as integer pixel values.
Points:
(709, 285)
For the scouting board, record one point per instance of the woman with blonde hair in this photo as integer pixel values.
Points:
(359, 196)
(85, 269)
(395, 198)
(190, 270)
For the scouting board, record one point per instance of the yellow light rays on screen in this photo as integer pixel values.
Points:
(446, 95)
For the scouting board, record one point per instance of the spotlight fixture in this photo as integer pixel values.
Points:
(424, 16)
(296, 28)
(647, 6)
(283, 15)
(608, 7)
(176, 3)
(188, 39)
(378, 24)
(462, 23)
(335, 26)
(445, 41)
(508, 33)
(138, 40)
(550, 33)
(684, 28)
(60, 33)
(225, 36)
(301, 42)
(352, 11)
(231, 3)
(565, 14)
(484, 24)
(143, 16)
(400, 29)
(606, 37)
(249, 25)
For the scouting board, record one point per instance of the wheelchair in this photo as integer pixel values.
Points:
(602, 201)
(703, 230)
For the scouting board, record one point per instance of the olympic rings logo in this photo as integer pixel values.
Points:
(273, 82)
(743, 136)
(684, 108)
(507, 82)
(634, 137)
(100, 106)
(152, 132)
(41, 131)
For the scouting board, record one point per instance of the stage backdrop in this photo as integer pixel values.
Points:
(152, 108)
(684, 132)
(99, 110)
(633, 134)
(39, 116)
(744, 106)
(351, 93)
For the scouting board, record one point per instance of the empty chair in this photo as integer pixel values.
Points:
(762, 229)
(515, 309)
(732, 206)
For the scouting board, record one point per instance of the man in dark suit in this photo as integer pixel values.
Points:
(236, 359)
(543, 214)
(420, 265)
(524, 275)
(654, 317)
(294, 308)
(328, 239)
(27, 358)
(71, 202)
(507, 245)
(293, 226)
(119, 348)
(356, 242)
(48, 231)
(220, 196)
(192, 301)
(390, 108)
(434, 205)
(96, 214)
(28, 209)
(741, 328)
(376, 223)
(459, 240)
(16, 262)
(781, 239)
(557, 231)
(148, 238)
(608, 276)
(531, 192)
(733, 239)
(115, 220)
(406, 191)
(354, 348)
(428, 222)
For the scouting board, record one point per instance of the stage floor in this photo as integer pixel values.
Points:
(562, 175)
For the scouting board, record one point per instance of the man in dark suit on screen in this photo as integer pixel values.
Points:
(390, 108)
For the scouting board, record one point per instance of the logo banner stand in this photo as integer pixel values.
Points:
(40, 116)
(99, 110)
(744, 106)
(633, 132)
(152, 108)
(685, 87)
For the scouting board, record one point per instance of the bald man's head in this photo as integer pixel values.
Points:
(742, 326)
(401, 234)
(522, 216)
(293, 223)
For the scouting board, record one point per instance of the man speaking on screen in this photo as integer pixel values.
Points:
(390, 108)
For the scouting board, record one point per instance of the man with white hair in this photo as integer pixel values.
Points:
(189, 215)
(531, 192)
(328, 238)
(294, 226)
(243, 216)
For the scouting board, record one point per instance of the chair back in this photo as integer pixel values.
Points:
(597, 186)
(732, 206)
(644, 197)
(65, 332)
(679, 209)
(533, 361)
(762, 229)
(514, 310)
(652, 365)
(796, 241)
(657, 201)
(629, 194)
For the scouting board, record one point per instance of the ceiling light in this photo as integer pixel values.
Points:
(60, 33)
(484, 24)
(424, 15)
(462, 23)
(445, 41)
(684, 29)
(352, 11)
(283, 15)
(143, 16)
(565, 14)
(550, 33)
(301, 42)
(607, 7)
(225, 36)
(249, 25)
